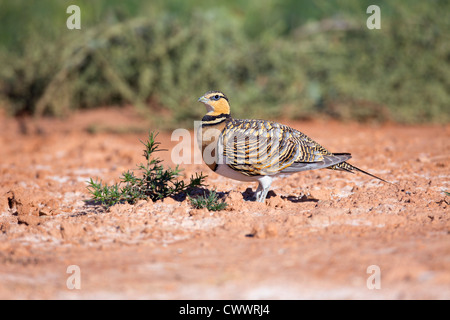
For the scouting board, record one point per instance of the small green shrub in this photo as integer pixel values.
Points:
(154, 182)
(210, 201)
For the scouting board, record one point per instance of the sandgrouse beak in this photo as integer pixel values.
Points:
(203, 99)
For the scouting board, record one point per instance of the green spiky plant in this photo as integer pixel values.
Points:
(154, 181)
(210, 201)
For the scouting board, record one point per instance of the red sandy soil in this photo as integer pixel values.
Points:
(314, 237)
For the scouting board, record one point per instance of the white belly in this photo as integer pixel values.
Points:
(226, 171)
(264, 181)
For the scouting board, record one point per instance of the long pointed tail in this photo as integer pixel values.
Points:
(365, 172)
(345, 166)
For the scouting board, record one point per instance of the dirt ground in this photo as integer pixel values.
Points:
(320, 234)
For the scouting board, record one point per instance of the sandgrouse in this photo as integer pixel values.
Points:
(259, 150)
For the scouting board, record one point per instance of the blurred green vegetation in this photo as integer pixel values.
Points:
(292, 59)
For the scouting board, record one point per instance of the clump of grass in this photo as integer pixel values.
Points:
(210, 201)
(154, 181)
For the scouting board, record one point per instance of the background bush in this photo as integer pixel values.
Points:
(291, 59)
